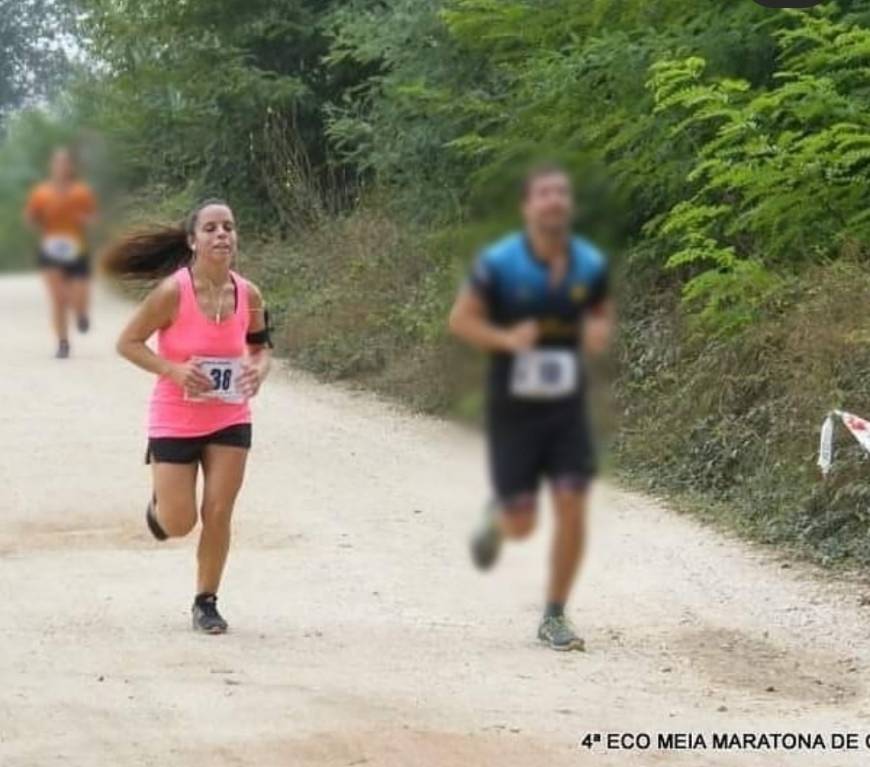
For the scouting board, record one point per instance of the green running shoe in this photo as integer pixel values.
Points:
(559, 634)
(486, 540)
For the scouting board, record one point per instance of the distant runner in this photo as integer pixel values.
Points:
(533, 301)
(213, 353)
(60, 211)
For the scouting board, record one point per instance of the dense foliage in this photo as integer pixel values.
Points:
(225, 97)
(778, 179)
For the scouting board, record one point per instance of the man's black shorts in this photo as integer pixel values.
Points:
(190, 449)
(80, 269)
(539, 441)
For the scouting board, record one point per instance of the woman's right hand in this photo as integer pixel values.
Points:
(190, 377)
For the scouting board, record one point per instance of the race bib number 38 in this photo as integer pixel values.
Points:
(545, 374)
(224, 374)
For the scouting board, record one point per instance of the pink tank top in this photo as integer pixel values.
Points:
(192, 334)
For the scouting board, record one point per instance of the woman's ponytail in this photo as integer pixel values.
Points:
(148, 255)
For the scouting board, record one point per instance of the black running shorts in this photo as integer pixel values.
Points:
(549, 441)
(190, 449)
(80, 269)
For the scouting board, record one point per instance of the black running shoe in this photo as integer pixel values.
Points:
(151, 519)
(62, 350)
(206, 617)
(84, 323)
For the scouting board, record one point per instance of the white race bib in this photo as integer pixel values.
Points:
(62, 249)
(224, 373)
(545, 374)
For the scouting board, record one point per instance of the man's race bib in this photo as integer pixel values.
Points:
(545, 374)
(62, 249)
(224, 373)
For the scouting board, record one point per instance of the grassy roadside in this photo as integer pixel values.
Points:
(728, 430)
(732, 427)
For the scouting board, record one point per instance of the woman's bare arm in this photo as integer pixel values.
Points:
(260, 355)
(155, 312)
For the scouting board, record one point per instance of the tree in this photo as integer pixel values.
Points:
(779, 177)
(32, 54)
(206, 94)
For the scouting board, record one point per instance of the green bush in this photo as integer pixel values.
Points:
(778, 179)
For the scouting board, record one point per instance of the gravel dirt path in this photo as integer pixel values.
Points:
(360, 633)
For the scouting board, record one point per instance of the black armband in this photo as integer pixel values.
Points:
(261, 337)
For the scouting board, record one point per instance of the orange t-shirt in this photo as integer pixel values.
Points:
(62, 213)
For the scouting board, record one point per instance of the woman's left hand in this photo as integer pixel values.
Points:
(250, 379)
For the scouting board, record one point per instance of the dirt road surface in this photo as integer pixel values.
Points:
(360, 633)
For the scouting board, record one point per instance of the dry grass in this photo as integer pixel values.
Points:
(735, 424)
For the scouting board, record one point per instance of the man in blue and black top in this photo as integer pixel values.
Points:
(537, 301)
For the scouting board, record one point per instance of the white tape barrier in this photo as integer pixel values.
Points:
(858, 427)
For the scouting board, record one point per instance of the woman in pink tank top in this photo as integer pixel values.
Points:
(212, 355)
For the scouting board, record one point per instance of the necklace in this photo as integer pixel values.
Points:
(218, 301)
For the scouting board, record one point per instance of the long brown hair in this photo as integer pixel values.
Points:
(154, 253)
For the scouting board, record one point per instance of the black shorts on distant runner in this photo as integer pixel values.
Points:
(79, 269)
(531, 443)
(185, 450)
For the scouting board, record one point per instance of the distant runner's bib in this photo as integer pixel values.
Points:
(64, 250)
(545, 374)
(224, 373)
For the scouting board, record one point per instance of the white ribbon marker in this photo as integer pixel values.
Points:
(858, 428)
